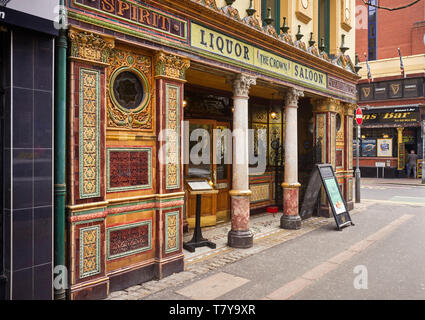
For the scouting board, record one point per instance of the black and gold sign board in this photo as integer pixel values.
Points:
(391, 115)
(324, 175)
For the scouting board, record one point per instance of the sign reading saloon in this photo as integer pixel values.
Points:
(222, 45)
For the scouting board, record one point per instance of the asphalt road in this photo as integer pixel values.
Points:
(381, 257)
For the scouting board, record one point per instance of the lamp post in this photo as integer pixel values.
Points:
(357, 172)
(359, 120)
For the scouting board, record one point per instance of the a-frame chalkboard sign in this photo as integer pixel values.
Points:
(323, 174)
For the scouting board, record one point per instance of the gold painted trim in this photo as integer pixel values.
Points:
(291, 185)
(84, 206)
(94, 205)
(234, 193)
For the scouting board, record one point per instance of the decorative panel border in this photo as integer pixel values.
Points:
(89, 251)
(127, 188)
(110, 256)
(172, 124)
(89, 133)
(172, 231)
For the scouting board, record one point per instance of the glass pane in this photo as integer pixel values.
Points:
(128, 90)
(200, 151)
(223, 151)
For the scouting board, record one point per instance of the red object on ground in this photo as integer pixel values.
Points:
(272, 209)
(359, 116)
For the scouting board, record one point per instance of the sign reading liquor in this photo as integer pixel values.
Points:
(391, 115)
(246, 54)
(138, 16)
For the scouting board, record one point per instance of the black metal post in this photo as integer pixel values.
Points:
(357, 173)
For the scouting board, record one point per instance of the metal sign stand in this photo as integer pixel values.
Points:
(198, 240)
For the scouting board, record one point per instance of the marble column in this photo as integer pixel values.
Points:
(290, 218)
(240, 236)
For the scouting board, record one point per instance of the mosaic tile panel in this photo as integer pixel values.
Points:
(350, 142)
(321, 133)
(275, 132)
(333, 138)
(89, 251)
(339, 158)
(172, 237)
(172, 122)
(260, 192)
(128, 168)
(128, 239)
(350, 189)
(89, 129)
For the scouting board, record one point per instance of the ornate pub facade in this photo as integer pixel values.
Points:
(143, 76)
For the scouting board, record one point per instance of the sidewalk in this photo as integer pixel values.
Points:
(267, 234)
(399, 181)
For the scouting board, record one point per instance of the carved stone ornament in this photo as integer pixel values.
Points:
(171, 66)
(292, 97)
(140, 65)
(241, 85)
(208, 3)
(91, 47)
(231, 12)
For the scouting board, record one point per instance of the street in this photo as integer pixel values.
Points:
(381, 257)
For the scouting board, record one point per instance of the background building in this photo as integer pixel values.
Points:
(27, 36)
(393, 104)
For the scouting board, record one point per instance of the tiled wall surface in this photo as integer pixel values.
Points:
(28, 165)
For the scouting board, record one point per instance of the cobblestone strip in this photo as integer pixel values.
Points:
(214, 262)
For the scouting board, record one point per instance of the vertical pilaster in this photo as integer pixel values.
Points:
(349, 115)
(170, 71)
(290, 218)
(240, 236)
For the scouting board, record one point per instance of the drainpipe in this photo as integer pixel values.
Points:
(59, 157)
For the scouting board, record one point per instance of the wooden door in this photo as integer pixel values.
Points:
(222, 169)
(214, 207)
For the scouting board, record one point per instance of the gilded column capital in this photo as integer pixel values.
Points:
(349, 109)
(241, 85)
(292, 96)
(326, 105)
(400, 130)
(90, 47)
(171, 66)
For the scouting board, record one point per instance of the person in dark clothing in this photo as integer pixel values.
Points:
(412, 160)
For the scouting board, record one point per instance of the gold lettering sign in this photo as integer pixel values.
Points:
(242, 53)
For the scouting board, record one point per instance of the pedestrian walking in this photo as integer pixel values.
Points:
(412, 160)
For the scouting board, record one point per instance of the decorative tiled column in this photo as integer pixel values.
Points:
(170, 71)
(290, 218)
(240, 236)
(349, 137)
(86, 205)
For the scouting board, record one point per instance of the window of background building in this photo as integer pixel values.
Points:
(2, 67)
(372, 11)
(324, 22)
(274, 5)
